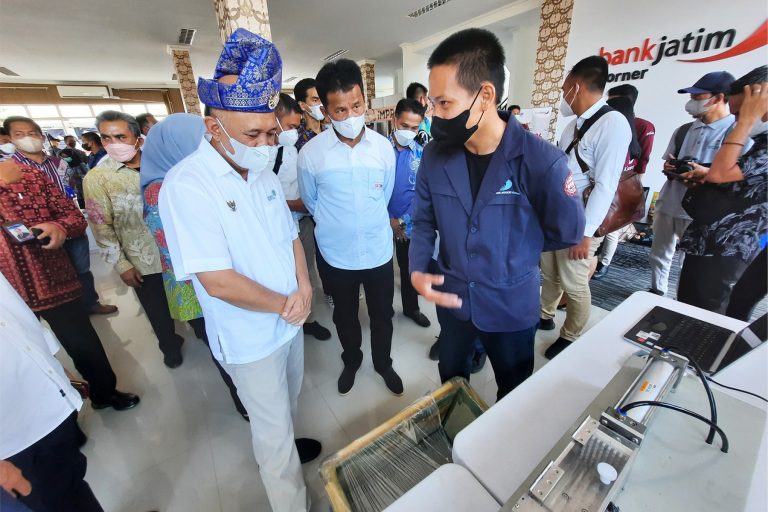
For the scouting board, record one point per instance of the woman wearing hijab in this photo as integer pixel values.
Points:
(167, 144)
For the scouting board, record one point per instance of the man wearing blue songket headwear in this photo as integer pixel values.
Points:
(229, 230)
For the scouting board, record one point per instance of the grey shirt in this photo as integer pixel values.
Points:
(701, 142)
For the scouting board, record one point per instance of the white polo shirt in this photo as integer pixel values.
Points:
(289, 178)
(35, 393)
(215, 220)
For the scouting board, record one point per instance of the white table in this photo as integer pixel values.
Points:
(506, 443)
(449, 487)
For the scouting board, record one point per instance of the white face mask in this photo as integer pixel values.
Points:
(759, 128)
(316, 113)
(697, 108)
(254, 159)
(350, 127)
(8, 148)
(29, 144)
(565, 107)
(404, 137)
(287, 137)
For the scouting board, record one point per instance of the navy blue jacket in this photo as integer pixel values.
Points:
(489, 251)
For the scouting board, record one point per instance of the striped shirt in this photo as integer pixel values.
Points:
(53, 167)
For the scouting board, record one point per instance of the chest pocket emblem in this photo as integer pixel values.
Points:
(507, 189)
(232, 205)
(272, 195)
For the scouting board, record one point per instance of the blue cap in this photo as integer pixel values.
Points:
(260, 69)
(716, 82)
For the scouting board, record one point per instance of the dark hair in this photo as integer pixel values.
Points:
(513, 107)
(626, 91)
(20, 119)
(143, 120)
(478, 57)
(342, 75)
(91, 138)
(286, 105)
(70, 137)
(114, 115)
(623, 104)
(409, 105)
(593, 71)
(412, 92)
(302, 88)
(756, 76)
(3, 131)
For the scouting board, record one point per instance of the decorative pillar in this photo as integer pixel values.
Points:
(252, 15)
(186, 78)
(367, 68)
(550, 56)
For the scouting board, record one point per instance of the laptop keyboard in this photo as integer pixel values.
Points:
(701, 340)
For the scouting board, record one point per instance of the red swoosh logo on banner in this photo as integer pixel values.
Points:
(758, 38)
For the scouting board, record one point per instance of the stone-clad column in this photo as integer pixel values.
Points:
(368, 69)
(252, 15)
(550, 56)
(186, 78)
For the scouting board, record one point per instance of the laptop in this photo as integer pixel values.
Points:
(713, 347)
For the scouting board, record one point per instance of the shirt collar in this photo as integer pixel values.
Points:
(593, 109)
(724, 122)
(28, 161)
(333, 139)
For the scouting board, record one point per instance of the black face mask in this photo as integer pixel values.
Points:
(86, 147)
(454, 131)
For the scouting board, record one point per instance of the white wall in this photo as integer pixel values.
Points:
(604, 23)
(521, 61)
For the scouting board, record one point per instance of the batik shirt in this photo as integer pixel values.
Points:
(741, 233)
(115, 213)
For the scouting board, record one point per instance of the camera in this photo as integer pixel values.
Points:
(683, 165)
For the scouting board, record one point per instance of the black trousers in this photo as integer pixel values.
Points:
(152, 297)
(707, 281)
(408, 294)
(198, 325)
(56, 469)
(71, 325)
(344, 287)
(510, 353)
(750, 289)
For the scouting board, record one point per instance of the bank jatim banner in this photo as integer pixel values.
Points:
(660, 46)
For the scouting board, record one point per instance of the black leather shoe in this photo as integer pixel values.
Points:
(558, 346)
(546, 324)
(420, 319)
(434, 351)
(317, 330)
(478, 361)
(309, 449)
(173, 360)
(347, 380)
(392, 380)
(119, 401)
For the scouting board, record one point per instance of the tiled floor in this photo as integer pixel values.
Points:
(185, 448)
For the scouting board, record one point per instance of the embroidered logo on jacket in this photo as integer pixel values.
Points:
(506, 189)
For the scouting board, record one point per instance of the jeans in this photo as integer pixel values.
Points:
(71, 325)
(707, 281)
(80, 255)
(56, 468)
(510, 353)
(153, 300)
(344, 287)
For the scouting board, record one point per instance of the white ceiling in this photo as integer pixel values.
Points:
(125, 42)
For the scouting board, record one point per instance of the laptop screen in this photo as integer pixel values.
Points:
(748, 339)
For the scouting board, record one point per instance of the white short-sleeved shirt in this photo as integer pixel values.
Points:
(215, 220)
(35, 393)
(289, 178)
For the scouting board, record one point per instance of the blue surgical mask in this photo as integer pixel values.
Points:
(254, 159)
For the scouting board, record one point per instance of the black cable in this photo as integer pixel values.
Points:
(712, 406)
(642, 403)
(713, 381)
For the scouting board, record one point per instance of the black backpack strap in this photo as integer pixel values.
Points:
(580, 135)
(278, 160)
(680, 138)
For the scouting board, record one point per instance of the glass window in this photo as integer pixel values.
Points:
(158, 109)
(135, 108)
(37, 111)
(12, 110)
(75, 110)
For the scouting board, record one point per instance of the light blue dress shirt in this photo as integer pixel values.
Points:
(347, 191)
